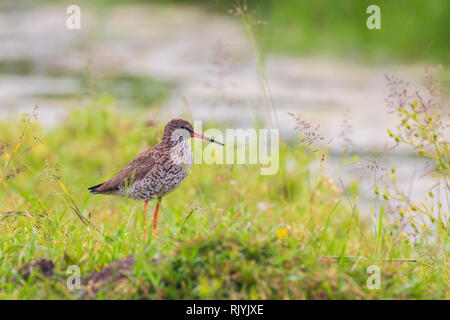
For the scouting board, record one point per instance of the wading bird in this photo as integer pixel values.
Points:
(156, 171)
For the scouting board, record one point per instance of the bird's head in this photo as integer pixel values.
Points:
(180, 129)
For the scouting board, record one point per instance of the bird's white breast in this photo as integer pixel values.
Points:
(182, 154)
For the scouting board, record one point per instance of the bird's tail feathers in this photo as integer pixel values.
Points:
(93, 189)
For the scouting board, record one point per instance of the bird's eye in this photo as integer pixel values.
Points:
(183, 127)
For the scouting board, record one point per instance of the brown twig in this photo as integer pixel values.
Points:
(383, 260)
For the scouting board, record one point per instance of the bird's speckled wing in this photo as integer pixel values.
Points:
(136, 170)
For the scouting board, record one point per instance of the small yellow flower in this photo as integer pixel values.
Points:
(393, 176)
(281, 233)
(402, 234)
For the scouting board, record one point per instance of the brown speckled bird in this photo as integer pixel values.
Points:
(156, 171)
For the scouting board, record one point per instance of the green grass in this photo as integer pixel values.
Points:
(217, 239)
(411, 30)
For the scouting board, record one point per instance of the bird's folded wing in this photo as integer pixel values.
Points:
(136, 170)
(123, 179)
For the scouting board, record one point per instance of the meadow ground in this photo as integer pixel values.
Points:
(227, 232)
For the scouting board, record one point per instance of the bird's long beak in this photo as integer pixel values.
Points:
(200, 136)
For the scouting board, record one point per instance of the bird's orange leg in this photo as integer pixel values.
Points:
(155, 219)
(145, 219)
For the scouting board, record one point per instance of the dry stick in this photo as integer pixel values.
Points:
(264, 82)
(27, 123)
(11, 158)
(71, 203)
(384, 260)
(78, 213)
(268, 98)
(188, 216)
(84, 220)
(353, 207)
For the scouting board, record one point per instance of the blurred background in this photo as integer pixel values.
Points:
(199, 59)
